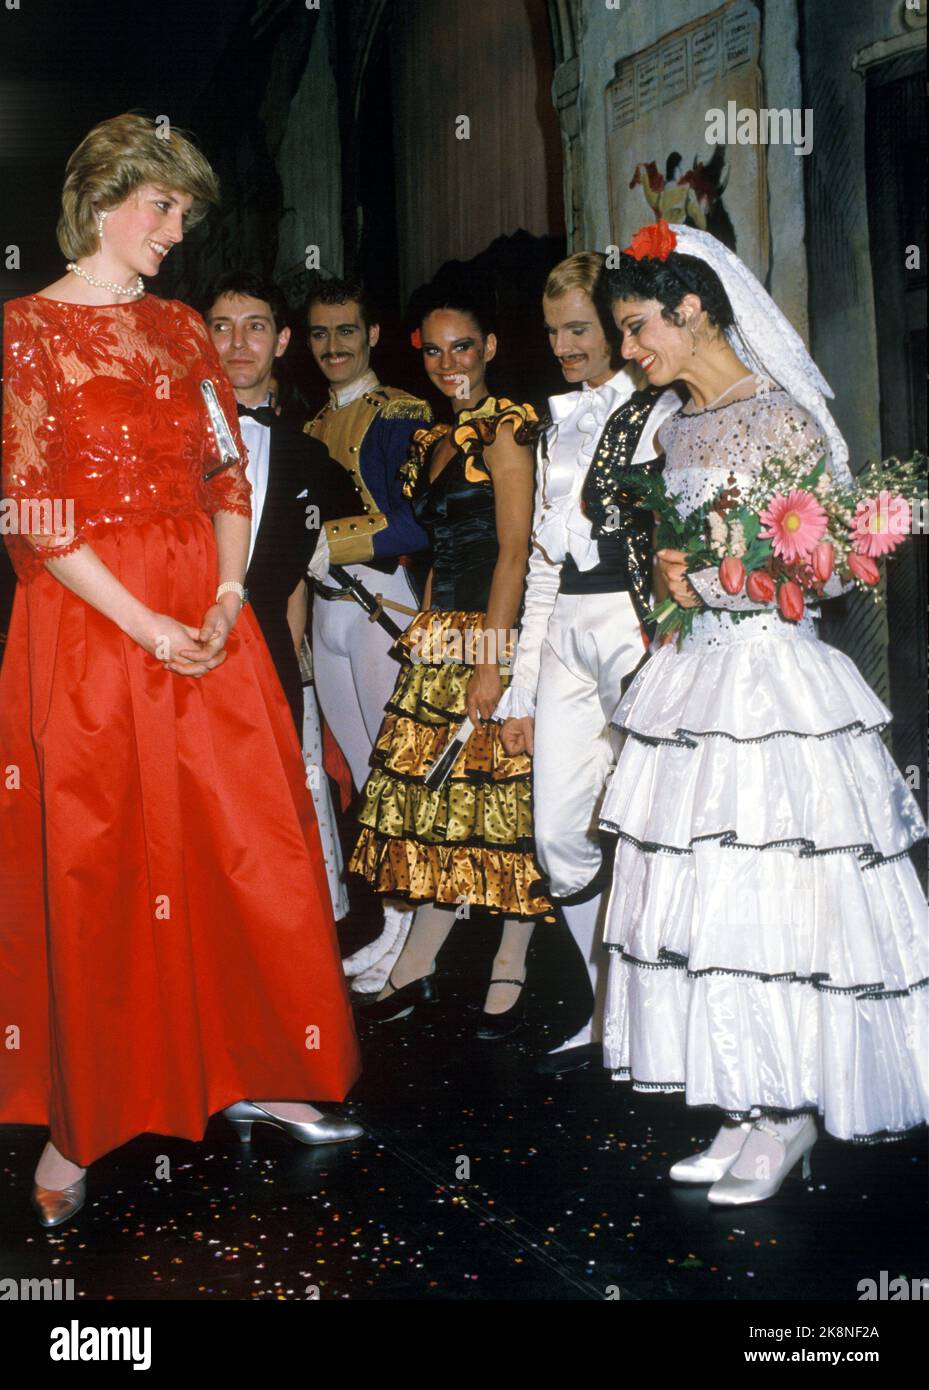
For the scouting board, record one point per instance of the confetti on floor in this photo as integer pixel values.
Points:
(564, 1196)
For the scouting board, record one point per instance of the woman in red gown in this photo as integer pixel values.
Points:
(167, 945)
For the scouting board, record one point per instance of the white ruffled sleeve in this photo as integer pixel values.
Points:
(544, 578)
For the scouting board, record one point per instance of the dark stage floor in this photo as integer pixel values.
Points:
(567, 1196)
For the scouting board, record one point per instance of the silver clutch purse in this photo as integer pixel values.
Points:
(225, 443)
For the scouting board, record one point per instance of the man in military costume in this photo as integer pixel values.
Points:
(366, 428)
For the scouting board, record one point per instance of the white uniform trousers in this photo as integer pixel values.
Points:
(593, 642)
(354, 670)
(355, 675)
(322, 799)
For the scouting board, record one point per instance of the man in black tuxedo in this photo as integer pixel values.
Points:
(294, 488)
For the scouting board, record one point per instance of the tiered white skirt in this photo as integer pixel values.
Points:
(766, 928)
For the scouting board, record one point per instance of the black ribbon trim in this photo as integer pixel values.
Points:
(449, 717)
(873, 858)
(687, 738)
(670, 960)
(470, 779)
(524, 847)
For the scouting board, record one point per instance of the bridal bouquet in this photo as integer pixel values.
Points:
(793, 537)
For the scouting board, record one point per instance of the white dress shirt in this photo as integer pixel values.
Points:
(559, 526)
(257, 441)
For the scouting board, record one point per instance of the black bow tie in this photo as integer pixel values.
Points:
(262, 413)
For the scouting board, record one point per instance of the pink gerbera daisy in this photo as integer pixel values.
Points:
(880, 524)
(795, 524)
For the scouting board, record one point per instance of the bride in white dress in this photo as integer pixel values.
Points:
(766, 929)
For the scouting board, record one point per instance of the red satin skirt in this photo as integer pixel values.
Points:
(167, 944)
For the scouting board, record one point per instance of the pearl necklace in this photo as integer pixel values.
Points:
(134, 290)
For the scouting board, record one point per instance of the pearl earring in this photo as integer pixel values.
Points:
(693, 346)
(101, 217)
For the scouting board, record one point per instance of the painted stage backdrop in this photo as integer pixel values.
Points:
(659, 161)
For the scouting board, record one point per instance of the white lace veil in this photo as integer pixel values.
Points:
(765, 341)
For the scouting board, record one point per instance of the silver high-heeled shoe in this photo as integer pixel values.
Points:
(731, 1191)
(329, 1129)
(701, 1168)
(55, 1205)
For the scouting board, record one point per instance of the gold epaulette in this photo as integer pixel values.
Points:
(407, 408)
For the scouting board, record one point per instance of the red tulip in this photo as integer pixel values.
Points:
(790, 601)
(732, 575)
(822, 561)
(864, 568)
(760, 586)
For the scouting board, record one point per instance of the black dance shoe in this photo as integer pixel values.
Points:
(419, 996)
(493, 1027)
(570, 1059)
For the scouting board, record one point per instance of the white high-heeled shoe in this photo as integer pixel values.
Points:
(731, 1191)
(702, 1168)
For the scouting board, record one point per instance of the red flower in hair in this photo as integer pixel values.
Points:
(655, 242)
(416, 338)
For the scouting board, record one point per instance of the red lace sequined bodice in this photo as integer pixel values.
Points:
(103, 418)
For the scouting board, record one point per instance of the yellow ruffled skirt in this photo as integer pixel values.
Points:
(471, 840)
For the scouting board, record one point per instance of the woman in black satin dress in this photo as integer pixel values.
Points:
(468, 844)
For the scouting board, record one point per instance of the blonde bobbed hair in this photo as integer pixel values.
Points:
(116, 158)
